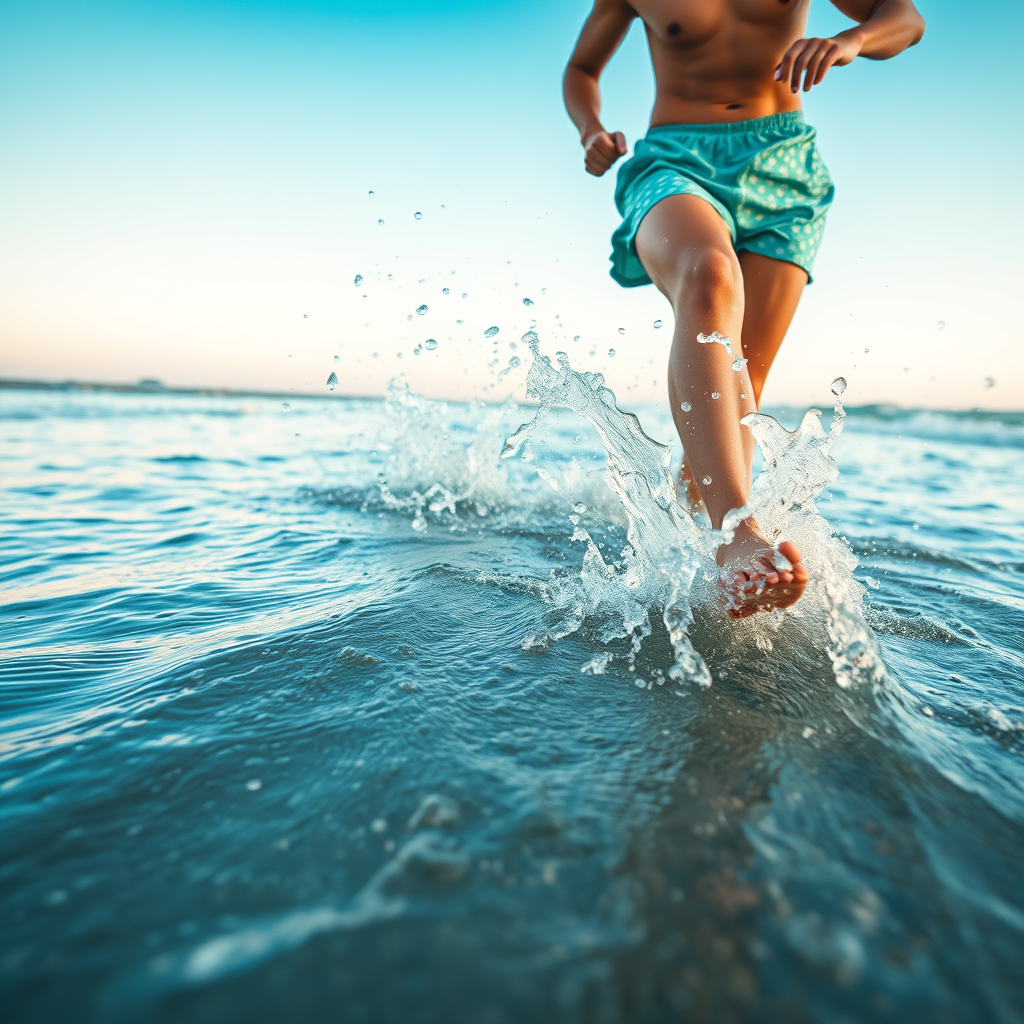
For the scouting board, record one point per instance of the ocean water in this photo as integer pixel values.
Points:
(324, 710)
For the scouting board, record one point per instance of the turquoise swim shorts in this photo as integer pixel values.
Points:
(765, 177)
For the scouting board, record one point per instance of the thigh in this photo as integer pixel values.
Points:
(771, 291)
(676, 236)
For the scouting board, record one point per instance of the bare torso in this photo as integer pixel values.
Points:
(714, 60)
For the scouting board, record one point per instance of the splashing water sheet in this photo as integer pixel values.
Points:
(404, 711)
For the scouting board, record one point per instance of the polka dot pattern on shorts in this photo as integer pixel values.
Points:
(764, 177)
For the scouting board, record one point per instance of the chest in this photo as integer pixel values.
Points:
(690, 22)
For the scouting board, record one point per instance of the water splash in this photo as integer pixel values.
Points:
(664, 547)
(668, 564)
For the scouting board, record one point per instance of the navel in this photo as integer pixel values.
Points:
(673, 29)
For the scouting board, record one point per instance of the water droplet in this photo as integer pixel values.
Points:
(305, 316)
(442, 207)
(332, 381)
(378, 825)
(988, 382)
(464, 295)
(529, 338)
(253, 784)
(358, 280)
(421, 310)
(685, 406)
(417, 350)
(611, 353)
(490, 332)
(285, 405)
(575, 337)
(370, 193)
(738, 364)
(622, 330)
(942, 325)
(514, 362)
(527, 302)
(430, 344)
(417, 215)
(543, 291)
(381, 222)
(446, 291)
(706, 481)
(715, 394)
(578, 507)
(337, 359)
(657, 325)
(409, 317)
(866, 351)
(838, 386)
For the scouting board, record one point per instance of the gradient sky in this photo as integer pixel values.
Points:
(184, 195)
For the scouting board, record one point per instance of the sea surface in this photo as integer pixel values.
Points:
(320, 709)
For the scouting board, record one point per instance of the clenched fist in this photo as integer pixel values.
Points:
(601, 149)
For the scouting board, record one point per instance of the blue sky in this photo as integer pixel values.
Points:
(184, 195)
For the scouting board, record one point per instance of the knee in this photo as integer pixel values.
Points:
(712, 275)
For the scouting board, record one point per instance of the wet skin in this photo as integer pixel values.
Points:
(715, 61)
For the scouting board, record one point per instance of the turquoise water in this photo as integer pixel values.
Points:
(319, 712)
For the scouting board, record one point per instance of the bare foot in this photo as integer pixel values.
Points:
(751, 579)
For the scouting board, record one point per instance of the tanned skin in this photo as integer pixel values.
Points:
(715, 61)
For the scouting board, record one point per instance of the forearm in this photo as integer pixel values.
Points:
(892, 26)
(582, 100)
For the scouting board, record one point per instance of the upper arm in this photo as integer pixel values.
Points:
(602, 32)
(860, 10)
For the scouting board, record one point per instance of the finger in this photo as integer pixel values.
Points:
(813, 64)
(826, 62)
(799, 63)
(620, 143)
(782, 69)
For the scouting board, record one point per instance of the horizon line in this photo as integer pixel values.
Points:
(152, 386)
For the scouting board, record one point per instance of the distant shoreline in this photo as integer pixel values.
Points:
(154, 387)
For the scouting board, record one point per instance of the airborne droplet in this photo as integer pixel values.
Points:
(988, 382)
(611, 353)
(514, 362)
(359, 280)
(430, 344)
(421, 310)
(418, 215)
(446, 291)
(942, 325)
(491, 332)
(657, 325)
(529, 338)
(381, 222)
(332, 381)
(527, 302)
(838, 386)
(622, 330)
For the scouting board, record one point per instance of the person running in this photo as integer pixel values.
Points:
(723, 206)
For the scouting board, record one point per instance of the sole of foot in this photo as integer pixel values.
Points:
(752, 580)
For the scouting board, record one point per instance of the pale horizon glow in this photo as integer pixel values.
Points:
(184, 195)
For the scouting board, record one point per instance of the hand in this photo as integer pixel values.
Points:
(813, 57)
(601, 149)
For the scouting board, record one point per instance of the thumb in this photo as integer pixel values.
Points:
(620, 142)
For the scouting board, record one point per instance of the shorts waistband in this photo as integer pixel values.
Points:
(787, 120)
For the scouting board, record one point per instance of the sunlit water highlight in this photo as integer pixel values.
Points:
(330, 712)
